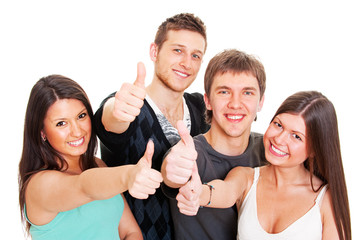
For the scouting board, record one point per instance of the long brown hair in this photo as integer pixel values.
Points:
(37, 154)
(323, 143)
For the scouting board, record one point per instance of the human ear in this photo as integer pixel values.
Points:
(260, 104)
(43, 136)
(207, 102)
(153, 52)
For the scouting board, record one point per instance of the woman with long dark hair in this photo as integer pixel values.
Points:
(65, 192)
(301, 193)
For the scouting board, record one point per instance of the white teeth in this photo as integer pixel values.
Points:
(77, 143)
(278, 151)
(235, 117)
(181, 74)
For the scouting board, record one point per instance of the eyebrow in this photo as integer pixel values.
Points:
(60, 119)
(226, 87)
(183, 46)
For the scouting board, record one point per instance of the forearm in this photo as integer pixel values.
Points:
(111, 124)
(217, 194)
(104, 183)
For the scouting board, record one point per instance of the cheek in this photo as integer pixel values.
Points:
(269, 134)
(197, 65)
(57, 139)
(252, 106)
(87, 126)
(266, 138)
(301, 152)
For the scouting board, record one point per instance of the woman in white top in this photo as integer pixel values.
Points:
(301, 194)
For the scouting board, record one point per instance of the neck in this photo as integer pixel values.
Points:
(159, 92)
(282, 177)
(227, 145)
(169, 102)
(73, 166)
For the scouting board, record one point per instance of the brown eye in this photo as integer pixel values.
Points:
(83, 115)
(59, 124)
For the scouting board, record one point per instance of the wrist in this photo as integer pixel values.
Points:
(208, 196)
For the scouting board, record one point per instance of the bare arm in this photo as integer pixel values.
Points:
(222, 194)
(128, 226)
(226, 193)
(329, 230)
(121, 110)
(50, 192)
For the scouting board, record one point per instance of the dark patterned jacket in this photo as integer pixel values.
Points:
(152, 214)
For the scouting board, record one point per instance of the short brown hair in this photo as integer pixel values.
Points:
(232, 60)
(182, 21)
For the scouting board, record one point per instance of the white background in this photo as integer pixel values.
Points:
(304, 45)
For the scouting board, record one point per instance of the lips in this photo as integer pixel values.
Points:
(277, 151)
(77, 143)
(234, 117)
(181, 74)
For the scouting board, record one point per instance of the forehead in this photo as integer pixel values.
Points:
(189, 39)
(64, 108)
(235, 80)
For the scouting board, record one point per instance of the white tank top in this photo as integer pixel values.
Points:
(309, 226)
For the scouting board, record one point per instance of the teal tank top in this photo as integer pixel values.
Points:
(95, 220)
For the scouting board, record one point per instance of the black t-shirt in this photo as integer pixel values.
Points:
(213, 223)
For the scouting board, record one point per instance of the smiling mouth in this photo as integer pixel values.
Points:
(234, 117)
(277, 151)
(182, 74)
(77, 142)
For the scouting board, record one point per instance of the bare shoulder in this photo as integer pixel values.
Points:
(244, 174)
(41, 185)
(328, 218)
(44, 178)
(326, 205)
(100, 162)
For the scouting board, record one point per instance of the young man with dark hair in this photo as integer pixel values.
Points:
(234, 83)
(130, 117)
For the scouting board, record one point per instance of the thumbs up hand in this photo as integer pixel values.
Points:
(189, 195)
(143, 180)
(130, 98)
(178, 164)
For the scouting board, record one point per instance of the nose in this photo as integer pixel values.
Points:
(75, 129)
(235, 102)
(281, 138)
(186, 62)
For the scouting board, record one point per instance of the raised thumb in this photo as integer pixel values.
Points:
(184, 134)
(140, 80)
(148, 155)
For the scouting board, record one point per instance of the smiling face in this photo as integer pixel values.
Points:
(285, 140)
(234, 101)
(67, 127)
(178, 61)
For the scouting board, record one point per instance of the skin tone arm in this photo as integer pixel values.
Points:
(128, 226)
(194, 194)
(329, 230)
(122, 109)
(235, 186)
(178, 164)
(50, 192)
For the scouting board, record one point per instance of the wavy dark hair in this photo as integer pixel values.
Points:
(37, 154)
(323, 144)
